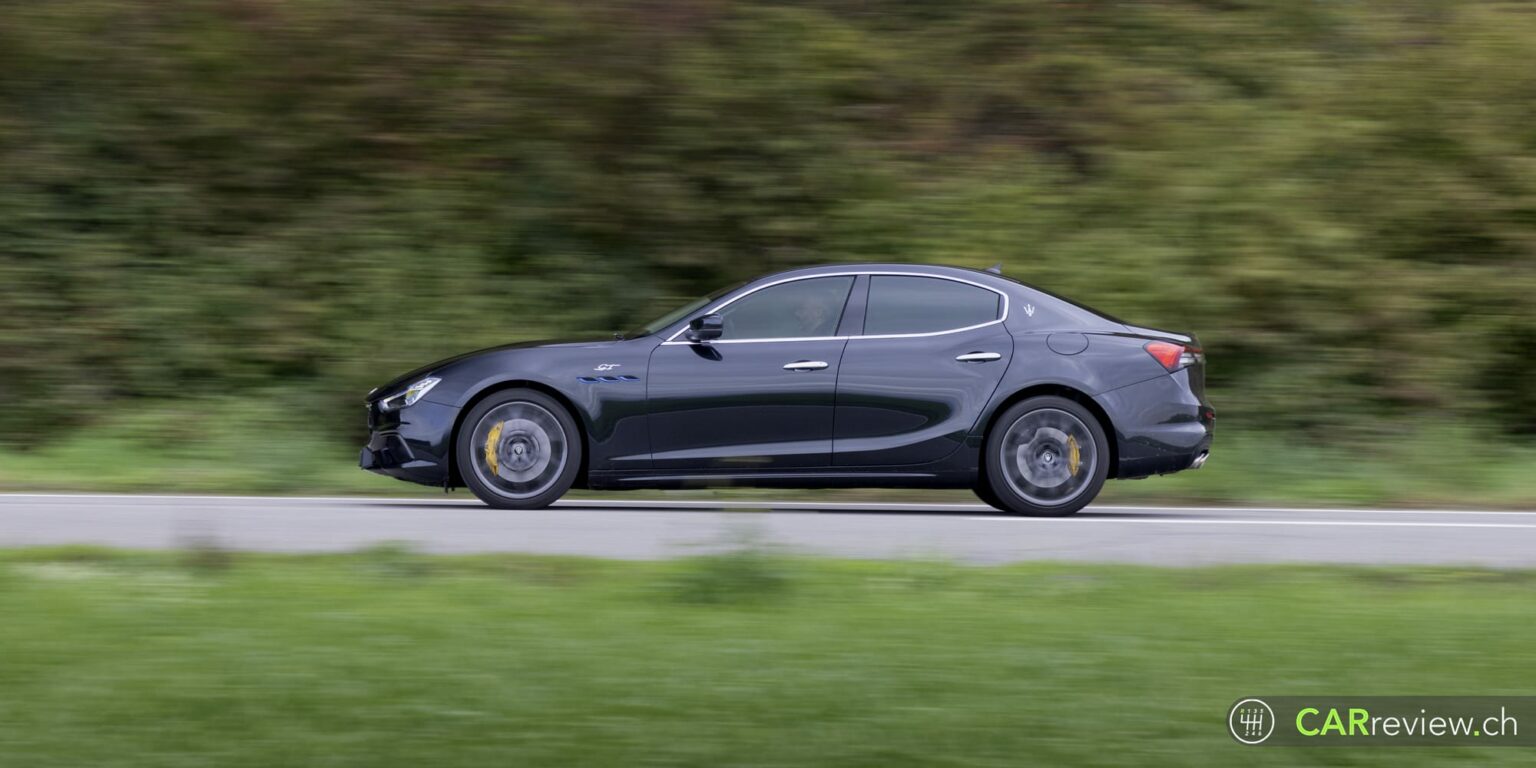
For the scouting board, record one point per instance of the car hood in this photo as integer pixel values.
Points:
(406, 379)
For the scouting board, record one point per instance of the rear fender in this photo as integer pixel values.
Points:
(1090, 363)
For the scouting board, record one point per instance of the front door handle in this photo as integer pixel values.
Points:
(979, 357)
(805, 365)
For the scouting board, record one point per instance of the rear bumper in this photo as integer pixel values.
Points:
(1161, 425)
(413, 444)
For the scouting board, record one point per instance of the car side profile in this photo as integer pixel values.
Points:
(871, 375)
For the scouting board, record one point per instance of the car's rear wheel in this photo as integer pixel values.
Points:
(1046, 457)
(518, 449)
(984, 492)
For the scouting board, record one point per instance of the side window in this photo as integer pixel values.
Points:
(926, 305)
(793, 310)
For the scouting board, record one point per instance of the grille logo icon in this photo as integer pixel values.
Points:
(1251, 721)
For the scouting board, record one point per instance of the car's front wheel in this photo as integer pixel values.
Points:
(518, 449)
(1046, 457)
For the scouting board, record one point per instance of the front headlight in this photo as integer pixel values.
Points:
(409, 397)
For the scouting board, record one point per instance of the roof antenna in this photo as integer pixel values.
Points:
(996, 269)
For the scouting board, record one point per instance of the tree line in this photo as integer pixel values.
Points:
(226, 196)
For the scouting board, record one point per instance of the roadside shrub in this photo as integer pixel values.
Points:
(748, 571)
(394, 560)
(204, 556)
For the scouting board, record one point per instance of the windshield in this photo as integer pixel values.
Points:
(675, 315)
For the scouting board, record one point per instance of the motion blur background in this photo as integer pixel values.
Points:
(223, 221)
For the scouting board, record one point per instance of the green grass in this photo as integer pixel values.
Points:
(263, 444)
(249, 445)
(391, 658)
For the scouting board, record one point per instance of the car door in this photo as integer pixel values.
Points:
(913, 382)
(762, 395)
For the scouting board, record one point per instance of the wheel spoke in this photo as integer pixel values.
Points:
(1048, 456)
(522, 449)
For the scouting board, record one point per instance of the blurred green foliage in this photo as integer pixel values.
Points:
(209, 196)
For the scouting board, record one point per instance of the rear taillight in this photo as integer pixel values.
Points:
(1173, 356)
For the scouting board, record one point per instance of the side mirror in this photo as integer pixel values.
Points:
(706, 328)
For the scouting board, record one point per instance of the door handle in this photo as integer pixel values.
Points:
(805, 365)
(979, 357)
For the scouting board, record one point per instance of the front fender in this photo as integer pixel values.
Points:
(604, 385)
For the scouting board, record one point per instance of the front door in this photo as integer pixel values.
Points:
(762, 395)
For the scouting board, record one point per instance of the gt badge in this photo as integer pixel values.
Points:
(606, 367)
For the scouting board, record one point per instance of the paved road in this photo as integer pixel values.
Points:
(645, 530)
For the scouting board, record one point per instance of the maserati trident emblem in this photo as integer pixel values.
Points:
(606, 367)
(1029, 309)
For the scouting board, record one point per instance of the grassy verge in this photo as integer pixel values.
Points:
(1435, 466)
(252, 445)
(386, 657)
(244, 446)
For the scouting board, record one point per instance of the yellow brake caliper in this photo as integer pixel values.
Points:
(490, 447)
(1074, 455)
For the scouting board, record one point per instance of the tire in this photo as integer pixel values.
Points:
(518, 449)
(983, 491)
(1046, 457)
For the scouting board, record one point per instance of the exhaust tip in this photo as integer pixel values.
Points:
(1200, 460)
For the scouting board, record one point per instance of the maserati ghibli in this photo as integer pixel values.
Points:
(870, 375)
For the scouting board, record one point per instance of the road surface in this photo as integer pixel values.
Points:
(970, 533)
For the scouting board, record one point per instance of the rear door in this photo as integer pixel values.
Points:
(913, 383)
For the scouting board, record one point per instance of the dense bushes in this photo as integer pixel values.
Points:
(216, 195)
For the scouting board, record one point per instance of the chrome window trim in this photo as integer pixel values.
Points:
(671, 340)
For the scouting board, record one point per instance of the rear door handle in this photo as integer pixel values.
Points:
(805, 365)
(979, 357)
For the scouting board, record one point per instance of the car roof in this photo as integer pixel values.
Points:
(937, 270)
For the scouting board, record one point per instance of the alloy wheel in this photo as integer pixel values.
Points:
(519, 449)
(1048, 456)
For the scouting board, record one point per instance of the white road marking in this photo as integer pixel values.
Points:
(1156, 515)
(217, 497)
(1182, 521)
(1322, 510)
(744, 504)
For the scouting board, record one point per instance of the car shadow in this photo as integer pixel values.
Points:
(873, 510)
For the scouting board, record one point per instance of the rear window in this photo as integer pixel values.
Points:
(899, 304)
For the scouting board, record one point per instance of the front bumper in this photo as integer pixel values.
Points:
(413, 444)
